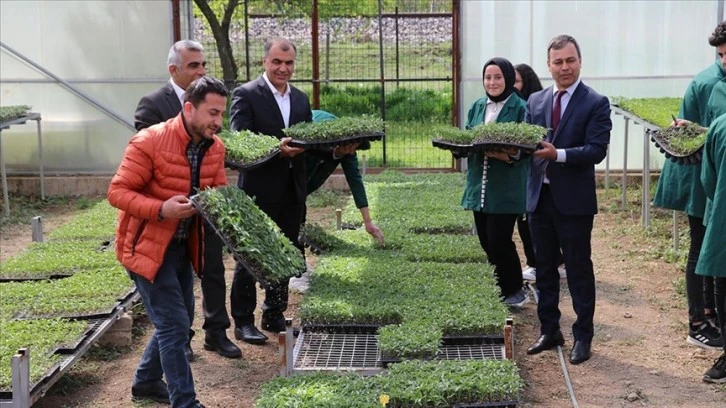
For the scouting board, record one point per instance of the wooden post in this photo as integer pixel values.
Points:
(509, 339)
(364, 165)
(339, 219)
(37, 224)
(281, 346)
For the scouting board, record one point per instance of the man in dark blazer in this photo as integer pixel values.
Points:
(561, 199)
(186, 63)
(267, 105)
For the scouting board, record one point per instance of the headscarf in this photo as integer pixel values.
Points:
(509, 78)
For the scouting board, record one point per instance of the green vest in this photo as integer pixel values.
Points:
(679, 187)
(712, 259)
(506, 184)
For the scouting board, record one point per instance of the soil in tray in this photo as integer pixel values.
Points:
(680, 142)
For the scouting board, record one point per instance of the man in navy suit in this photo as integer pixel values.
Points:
(561, 199)
(267, 105)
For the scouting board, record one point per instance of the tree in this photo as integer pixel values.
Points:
(220, 31)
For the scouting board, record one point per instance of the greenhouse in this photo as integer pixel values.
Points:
(392, 261)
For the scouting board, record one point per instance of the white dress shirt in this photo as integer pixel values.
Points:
(493, 109)
(282, 99)
(179, 92)
(564, 101)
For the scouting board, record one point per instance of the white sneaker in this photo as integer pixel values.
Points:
(562, 271)
(529, 273)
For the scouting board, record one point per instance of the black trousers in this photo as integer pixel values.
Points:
(214, 289)
(495, 237)
(552, 230)
(720, 289)
(696, 290)
(287, 214)
(524, 234)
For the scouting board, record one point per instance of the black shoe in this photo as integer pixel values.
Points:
(273, 325)
(580, 352)
(249, 334)
(546, 342)
(154, 391)
(717, 373)
(218, 341)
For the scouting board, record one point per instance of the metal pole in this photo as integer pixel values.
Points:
(71, 88)
(607, 169)
(6, 199)
(316, 57)
(327, 55)
(397, 59)
(625, 164)
(40, 160)
(645, 205)
(37, 229)
(247, 40)
(383, 82)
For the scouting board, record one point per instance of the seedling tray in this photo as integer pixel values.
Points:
(341, 328)
(318, 144)
(680, 158)
(458, 149)
(39, 277)
(465, 149)
(248, 265)
(252, 165)
(70, 348)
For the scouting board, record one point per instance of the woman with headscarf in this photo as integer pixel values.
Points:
(496, 181)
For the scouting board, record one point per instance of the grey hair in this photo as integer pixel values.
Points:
(174, 57)
(283, 42)
(561, 42)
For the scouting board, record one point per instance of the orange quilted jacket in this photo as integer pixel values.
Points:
(155, 168)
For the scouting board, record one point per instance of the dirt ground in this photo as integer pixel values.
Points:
(640, 354)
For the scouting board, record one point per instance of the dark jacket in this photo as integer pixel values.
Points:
(584, 133)
(254, 108)
(156, 107)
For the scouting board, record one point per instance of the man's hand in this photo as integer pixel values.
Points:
(178, 206)
(681, 123)
(375, 232)
(289, 151)
(547, 152)
(345, 150)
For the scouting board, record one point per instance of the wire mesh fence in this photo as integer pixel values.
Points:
(395, 62)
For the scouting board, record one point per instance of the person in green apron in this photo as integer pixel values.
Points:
(318, 170)
(712, 260)
(496, 182)
(679, 188)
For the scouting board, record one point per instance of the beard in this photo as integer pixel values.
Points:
(199, 130)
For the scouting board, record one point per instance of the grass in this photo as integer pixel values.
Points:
(23, 209)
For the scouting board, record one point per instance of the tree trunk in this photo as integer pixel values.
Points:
(221, 37)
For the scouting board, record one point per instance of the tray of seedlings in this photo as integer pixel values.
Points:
(336, 132)
(451, 138)
(254, 240)
(500, 136)
(11, 113)
(247, 150)
(683, 144)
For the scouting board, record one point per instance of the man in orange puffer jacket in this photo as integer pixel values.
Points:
(159, 237)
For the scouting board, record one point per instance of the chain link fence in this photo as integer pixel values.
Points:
(397, 63)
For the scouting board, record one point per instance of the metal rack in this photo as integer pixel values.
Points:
(645, 202)
(358, 350)
(6, 125)
(24, 393)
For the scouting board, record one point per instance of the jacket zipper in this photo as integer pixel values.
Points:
(137, 236)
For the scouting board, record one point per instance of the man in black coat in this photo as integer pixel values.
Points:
(267, 105)
(186, 63)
